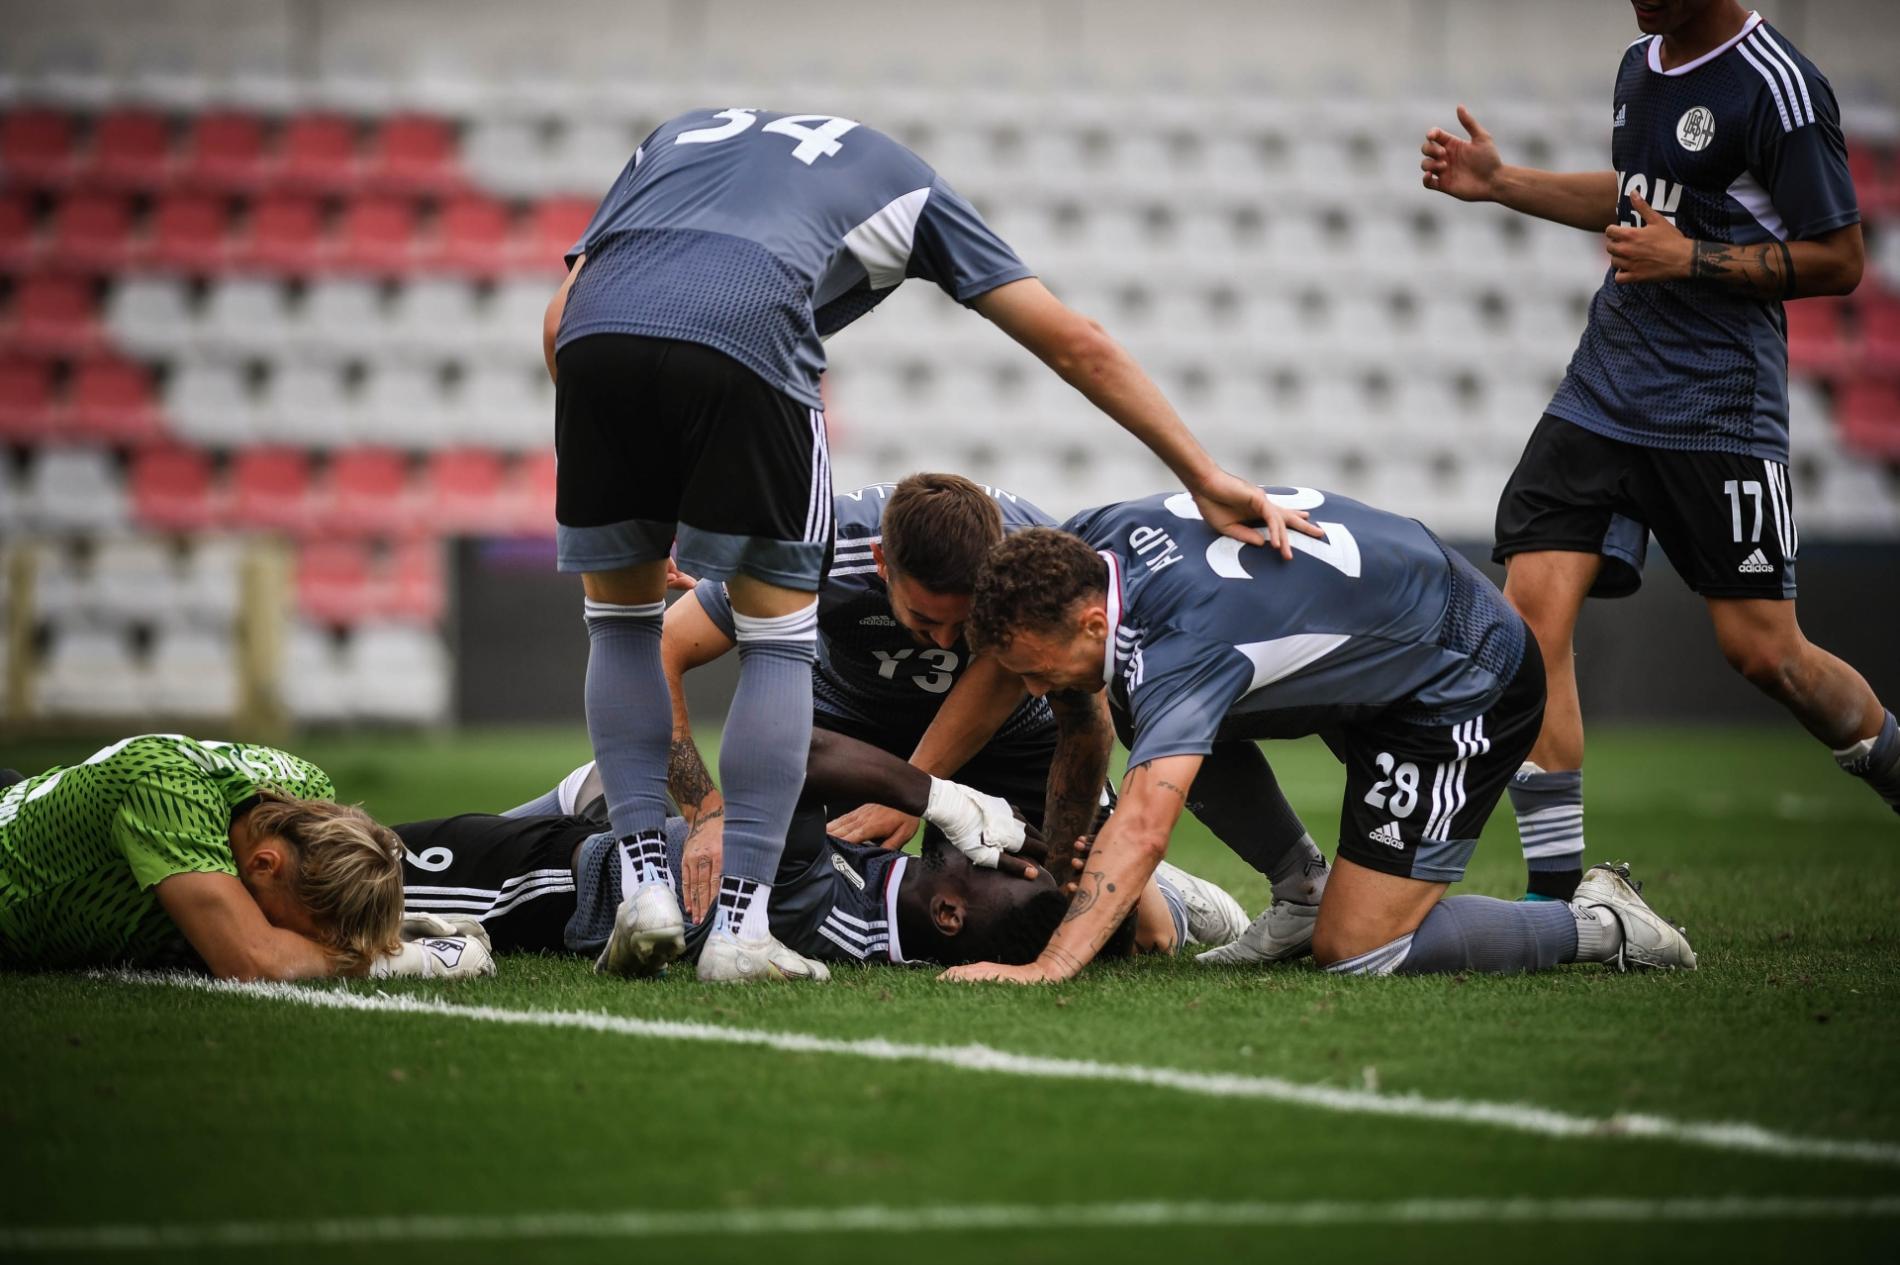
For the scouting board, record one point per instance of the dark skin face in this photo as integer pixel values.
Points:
(944, 901)
(1689, 27)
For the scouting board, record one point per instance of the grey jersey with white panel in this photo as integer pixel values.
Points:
(1211, 639)
(757, 233)
(870, 669)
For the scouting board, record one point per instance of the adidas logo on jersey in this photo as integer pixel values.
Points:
(877, 621)
(1622, 116)
(1387, 834)
(1756, 564)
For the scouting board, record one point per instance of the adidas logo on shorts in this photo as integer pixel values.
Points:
(1756, 564)
(1387, 834)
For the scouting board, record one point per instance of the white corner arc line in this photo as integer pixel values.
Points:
(1736, 1136)
(932, 1219)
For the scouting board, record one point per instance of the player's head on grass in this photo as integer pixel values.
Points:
(325, 870)
(953, 912)
(1040, 607)
(936, 529)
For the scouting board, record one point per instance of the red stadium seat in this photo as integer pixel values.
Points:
(112, 400)
(36, 148)
(1877, 347)
(464, 491)
(172, 489)
(54, 315)
(1876, 177)
(223, 153)
(471, 236)
(285, 233)
(526, 505)
(376, 235)
(552, 227)
(416, 587)
(131, 149)
(1869, 412)
(189, 233)
(317, 154)
(413, 153)
(367, 490)
(1817, 343)
(334, 585)
(91, 232)
(26, 401)
(18, 230)
(270, 488)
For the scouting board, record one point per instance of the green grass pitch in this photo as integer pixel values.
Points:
(150, 1106)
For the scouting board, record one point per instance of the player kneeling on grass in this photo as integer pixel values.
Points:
(549, 876)
(1395, 649)
(162, 850)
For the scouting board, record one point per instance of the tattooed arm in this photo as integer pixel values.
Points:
(1085, 736)
(690, 640)
(1658, 251)
(1125, 855)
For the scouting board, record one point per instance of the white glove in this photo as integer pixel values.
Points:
(419, 925)
(437, 957)
(981, 826)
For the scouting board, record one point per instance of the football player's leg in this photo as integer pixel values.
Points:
(1237, 797)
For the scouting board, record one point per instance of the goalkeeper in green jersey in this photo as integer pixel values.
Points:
(160, 849)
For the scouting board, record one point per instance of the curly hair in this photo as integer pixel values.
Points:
(937, 529)
(1032, 581)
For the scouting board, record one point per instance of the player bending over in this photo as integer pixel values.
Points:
(1730, 195)
(550, 874)
(686, 354)
(162, 850)
(1396, 650)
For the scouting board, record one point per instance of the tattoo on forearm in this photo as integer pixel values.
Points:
(686, 775)
(1166, 785)
(1087, 892)
(1766, 270)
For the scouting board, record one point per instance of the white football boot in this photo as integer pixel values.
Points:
(1282, 932)
(649, 931)
(727, 959)
(1213, 917)
(1650, 942)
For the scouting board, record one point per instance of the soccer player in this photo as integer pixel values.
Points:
(1395, 649)
(167, 850)
(549, 876)
(685, 350)
(1730, 196)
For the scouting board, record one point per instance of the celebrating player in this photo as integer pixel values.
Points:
(1393, 647)
(1731, 195)
(685, 348)
(166, 850)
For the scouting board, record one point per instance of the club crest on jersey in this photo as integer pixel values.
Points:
(1696, 129)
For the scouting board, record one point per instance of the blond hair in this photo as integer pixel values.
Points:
(348, 871)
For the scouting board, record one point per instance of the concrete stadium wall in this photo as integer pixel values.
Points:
(1385, 46)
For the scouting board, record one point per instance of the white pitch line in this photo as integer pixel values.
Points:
(1517, 1117)
(938, 1219)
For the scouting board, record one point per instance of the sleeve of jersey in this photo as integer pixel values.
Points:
(1181, 696)
(1803, 164)
(165, 827)
(959, 252)
(717, 603)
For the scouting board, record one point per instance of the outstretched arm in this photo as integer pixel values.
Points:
(1472, 170)
(229, 931)
(1085, 357)
(1122, 861)
(690, 640)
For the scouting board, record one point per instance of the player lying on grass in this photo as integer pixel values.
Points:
(1395, 649)
(1726, 194)
(163, 850)
(686, 346)
(550, 876)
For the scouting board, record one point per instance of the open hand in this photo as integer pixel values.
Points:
(1465, 169)
(1229, 504)
(997, 973)
(888, 828)
(701, 861)
(1655, 252)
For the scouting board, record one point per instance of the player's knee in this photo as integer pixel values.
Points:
(1770, 664)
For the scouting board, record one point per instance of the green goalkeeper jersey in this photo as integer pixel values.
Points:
(82, 848)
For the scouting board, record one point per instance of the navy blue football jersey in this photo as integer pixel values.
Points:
(757, 233)
(870, 669)
(1744, 146)
(1212, 639)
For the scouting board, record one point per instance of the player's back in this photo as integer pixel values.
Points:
(756, 232)
(1377, 616)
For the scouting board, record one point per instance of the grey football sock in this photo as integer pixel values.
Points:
(1876, 761)
(767, 738)
(1495, 937)
(1549, 808)
(1236, 796)
(629, 713)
